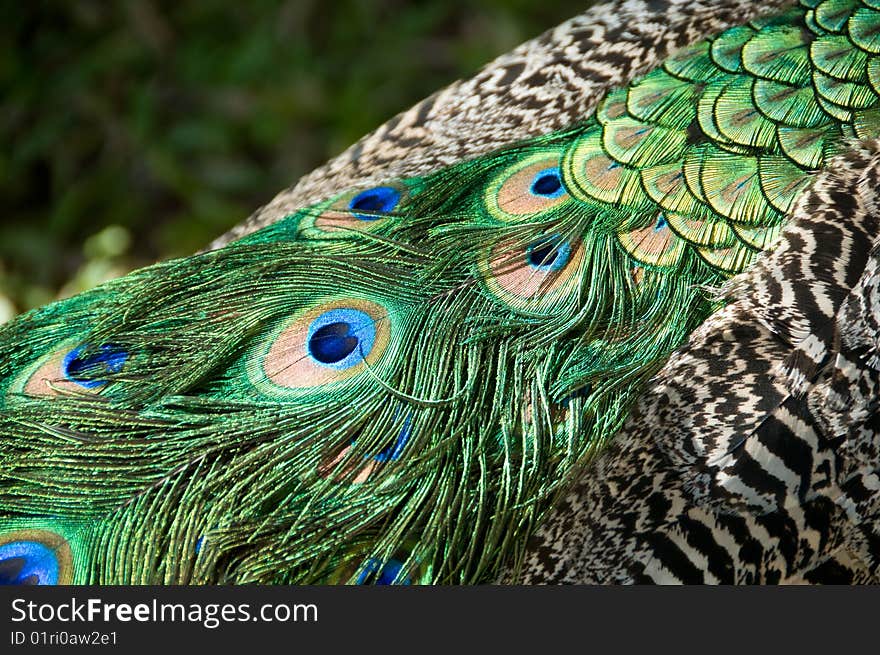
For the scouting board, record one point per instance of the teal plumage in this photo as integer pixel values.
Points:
(393, 385)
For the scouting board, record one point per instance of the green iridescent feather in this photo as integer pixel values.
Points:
(393, 385)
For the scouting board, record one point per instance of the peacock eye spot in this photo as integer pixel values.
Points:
(332, 343)
(547, 184)
(384, 575)
(341, 338)
(543, 255)
(548, 254)
(28, 563)
(661, 223)
(83, 369)
(392, 452)
(377, 201)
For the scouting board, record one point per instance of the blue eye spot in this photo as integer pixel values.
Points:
(661, 223)
(332, 343)
(547, 184)
(548, 254)
(386, 575)
(341, 338)
(393, 452)
(84, 369)
(377, 201)
(28, 563)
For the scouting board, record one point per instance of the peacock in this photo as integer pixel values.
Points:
(392, 382)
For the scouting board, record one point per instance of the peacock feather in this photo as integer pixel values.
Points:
(392, 385)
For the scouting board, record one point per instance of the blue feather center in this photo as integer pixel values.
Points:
(377, 201)
(386, 576)
(28, 563)
(84, 370)
(547, 183)
(393, 452)
(341, 338)
(548, 254)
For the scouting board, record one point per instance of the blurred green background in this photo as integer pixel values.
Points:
(140, 130)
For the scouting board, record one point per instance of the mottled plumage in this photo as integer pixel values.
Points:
(393, 384)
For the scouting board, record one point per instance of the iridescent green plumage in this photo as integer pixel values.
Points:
(394, 384)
